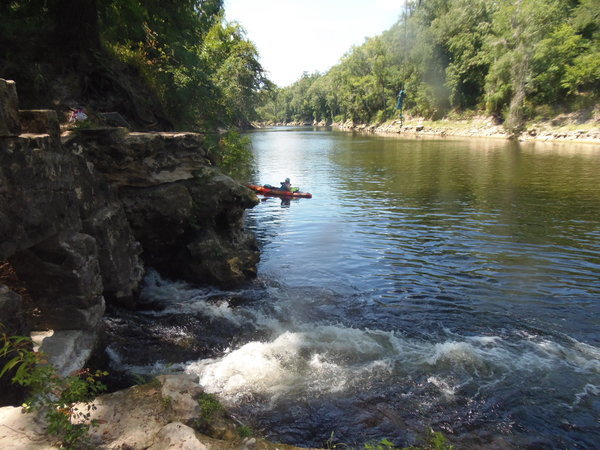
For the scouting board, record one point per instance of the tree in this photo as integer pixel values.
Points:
(235, 71)
(518, 28)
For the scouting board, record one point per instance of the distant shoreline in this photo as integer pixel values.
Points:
(585, 133)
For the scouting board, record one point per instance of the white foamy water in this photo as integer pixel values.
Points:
(314, 361)
(179, 297)
(299, 359)
(322, 360)
(288, 354)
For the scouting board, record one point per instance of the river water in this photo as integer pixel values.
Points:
(429, 283)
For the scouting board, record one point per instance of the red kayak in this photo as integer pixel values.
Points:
(263, 190)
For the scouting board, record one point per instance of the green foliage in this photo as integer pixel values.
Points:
(507, 56)
(200, 70)
(209, 408)
(244, 431)
(167, 402)
(437, 441)
(57, 397)
(434, 440)
(232, 152)
(384, 444)
(238, 77)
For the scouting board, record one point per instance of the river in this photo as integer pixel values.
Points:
(429, 283)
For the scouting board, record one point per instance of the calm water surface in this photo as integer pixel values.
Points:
(452, 284)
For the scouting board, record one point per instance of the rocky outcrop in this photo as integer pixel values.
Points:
(48, 238)
(163, 414)
(78, 214)
(186, 214)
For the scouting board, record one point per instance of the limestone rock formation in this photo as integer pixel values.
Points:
(163, 414)
(79, 212)
(186, 214)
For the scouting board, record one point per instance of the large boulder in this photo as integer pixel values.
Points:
(63, 277)
(186, 214)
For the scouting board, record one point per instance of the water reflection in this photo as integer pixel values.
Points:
(284, 202)
(478, 259)
(487, 223)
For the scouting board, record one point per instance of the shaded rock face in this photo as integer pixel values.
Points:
(63, 276)
(78, 214)
(186, 214)
(9, 110)
(57, 243)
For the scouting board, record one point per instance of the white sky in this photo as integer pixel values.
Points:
(294, 36)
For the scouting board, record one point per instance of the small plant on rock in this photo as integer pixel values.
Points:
(209, 408)
(244, 431)
(65, 402)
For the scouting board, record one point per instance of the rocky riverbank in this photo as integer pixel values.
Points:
(83, 215)
(170, 412)
(568, 128)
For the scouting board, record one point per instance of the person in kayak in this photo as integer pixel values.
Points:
(286, 185)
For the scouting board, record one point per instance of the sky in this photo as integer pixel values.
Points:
(296, 36)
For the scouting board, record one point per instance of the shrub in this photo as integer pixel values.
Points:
(57, 397)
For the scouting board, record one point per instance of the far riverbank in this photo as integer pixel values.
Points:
(567, 130)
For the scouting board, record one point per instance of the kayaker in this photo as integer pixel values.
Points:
(286, 185)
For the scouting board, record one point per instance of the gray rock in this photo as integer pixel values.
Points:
(140, 159)
(63, 277)
(40, 121)
(37, 193)
(20, 431)
(103, 217)
(176, 435)
(187, 215)
(9, 109)
(68, 350)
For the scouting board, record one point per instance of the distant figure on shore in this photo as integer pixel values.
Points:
(401, 97)
(286, 185)
(400, 105)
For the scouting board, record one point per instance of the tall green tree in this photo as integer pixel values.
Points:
(235, 70)
(518, 28)
(507, 57)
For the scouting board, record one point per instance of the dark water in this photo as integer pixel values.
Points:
(428, 283)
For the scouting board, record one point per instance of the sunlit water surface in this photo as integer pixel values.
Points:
(452, 284)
